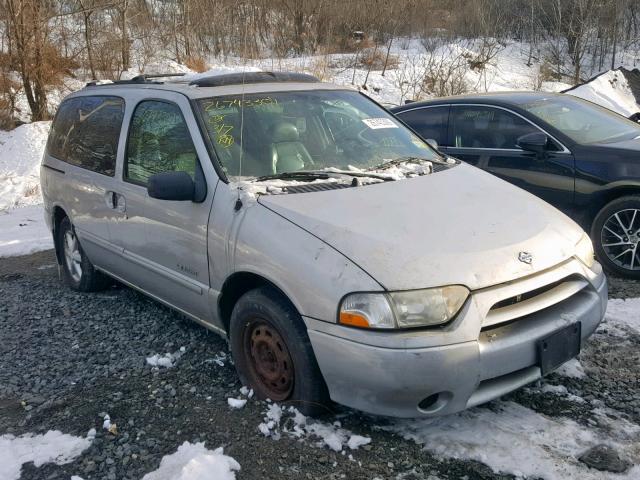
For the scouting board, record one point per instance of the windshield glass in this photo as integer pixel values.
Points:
(310, 130)
(581, 121)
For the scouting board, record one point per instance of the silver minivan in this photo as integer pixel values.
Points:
(344, 258)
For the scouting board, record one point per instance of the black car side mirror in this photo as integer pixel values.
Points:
(171, 186)
(533, 142)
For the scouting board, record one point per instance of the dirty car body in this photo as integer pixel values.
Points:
(423, 285)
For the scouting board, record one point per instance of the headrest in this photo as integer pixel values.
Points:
(284, 132)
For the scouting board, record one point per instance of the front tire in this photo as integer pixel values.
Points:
(77, 271)
(616, 236)
(273, 354)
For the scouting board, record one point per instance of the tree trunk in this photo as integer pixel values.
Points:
(386, 57)
(87, 39)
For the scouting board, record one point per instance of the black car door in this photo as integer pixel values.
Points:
(486, 136)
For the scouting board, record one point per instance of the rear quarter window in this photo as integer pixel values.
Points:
(85, 133)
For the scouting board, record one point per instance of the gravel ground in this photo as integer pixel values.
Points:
(68, 358)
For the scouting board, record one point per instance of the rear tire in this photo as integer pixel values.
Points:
(616, 236)
(273, 354)
(77, 271)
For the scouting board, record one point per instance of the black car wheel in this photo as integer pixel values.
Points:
(77, 270)
(616, 236)
(272, 352)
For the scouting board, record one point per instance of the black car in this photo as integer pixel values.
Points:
(578, 156)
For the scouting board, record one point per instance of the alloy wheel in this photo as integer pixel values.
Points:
(72, 256)
(620, 238)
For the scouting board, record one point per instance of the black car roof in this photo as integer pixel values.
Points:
(494, 98)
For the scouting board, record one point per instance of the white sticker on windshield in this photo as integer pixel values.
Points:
(376, 123)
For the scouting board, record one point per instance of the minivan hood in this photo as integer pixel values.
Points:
(458, 226)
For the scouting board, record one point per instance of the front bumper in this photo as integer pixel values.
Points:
(482, 355)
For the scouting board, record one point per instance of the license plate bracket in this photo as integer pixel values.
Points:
(560, 346)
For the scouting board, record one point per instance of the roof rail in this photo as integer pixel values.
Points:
(252, 77)
(138, 79)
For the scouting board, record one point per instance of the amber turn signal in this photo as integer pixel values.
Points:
(353, 320)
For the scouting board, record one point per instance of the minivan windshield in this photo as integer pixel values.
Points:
(581, 121)
(262, 134)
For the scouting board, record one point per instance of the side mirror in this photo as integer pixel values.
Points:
(432, 143)
(533, 142)
(171, 186)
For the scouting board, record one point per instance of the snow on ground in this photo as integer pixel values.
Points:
(611, 90)
(237, 402)
(220, 359)
(53, 446)
(572, 369)
(21, 150)
(511, 438)
(167, 360)
(24, 231)
(289, 421)
(622, 315)
(192, 461)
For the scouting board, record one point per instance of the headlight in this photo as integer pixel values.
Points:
(584, 251)
(408, 309)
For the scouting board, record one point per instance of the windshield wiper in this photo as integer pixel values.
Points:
(399, 161)
(302, 176)
(311, 175)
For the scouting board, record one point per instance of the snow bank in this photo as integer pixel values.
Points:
(290, 422)
(610, 90)
(53, 446)
(195, 462)
(21, 151)
(514, 439)
(24, 231)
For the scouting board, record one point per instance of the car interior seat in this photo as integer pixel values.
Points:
(288, 153)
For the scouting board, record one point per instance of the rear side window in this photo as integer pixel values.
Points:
(159, 141)
(86, 131)
(487, 127)
(430, 123)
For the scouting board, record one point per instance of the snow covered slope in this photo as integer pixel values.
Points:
(610, 89)
(20, 154)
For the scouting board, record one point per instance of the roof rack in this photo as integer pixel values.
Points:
(139, 79)
(252, 77)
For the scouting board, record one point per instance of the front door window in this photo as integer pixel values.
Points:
(159, 141)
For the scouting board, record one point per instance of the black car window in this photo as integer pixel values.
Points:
(159, 141)
(86, 131)
(487, 127)
(429, 122)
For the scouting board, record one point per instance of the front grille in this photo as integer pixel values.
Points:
(526, 295)
(529, 302)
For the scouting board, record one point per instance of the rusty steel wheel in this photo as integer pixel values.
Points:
(272, 351)
(270, 364)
